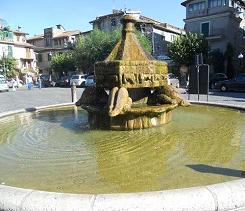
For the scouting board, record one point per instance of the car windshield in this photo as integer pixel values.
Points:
(90, 77)
(2, 82)
(75, 77)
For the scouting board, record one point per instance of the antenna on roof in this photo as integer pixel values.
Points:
(125, 6)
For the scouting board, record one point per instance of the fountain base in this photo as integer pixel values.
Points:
(136, 118)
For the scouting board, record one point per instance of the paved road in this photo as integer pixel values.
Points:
(234, 98)
(24, 98)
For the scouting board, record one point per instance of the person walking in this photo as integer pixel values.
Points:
(29, 82)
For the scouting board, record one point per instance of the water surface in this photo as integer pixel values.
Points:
(55, 151)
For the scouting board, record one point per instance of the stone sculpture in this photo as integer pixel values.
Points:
(131, 88)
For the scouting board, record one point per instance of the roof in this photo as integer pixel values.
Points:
(242, 2)
(19, 32)
(115, 14)
(36, 37)
(144, 19)
(62, 34)
(21, 44)
(67, 34)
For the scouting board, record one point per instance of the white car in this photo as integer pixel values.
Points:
(173, 80)
(3, 85)
(90, 81)
(78, 80)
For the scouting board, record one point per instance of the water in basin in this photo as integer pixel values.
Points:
(55, 151)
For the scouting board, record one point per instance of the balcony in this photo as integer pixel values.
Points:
(216, 34)
(198, 13)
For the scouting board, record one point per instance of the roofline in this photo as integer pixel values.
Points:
(188, 1)
(108, 15)
(35, 38)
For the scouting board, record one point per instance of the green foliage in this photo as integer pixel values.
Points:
(98, 45)
(94, 47)
(144, 41)
(184, 49)
(10, 67)
(63, 62)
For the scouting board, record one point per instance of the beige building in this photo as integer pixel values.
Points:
(160, 33)
(53, 40)
(13, 44)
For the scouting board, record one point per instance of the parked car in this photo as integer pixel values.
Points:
(216, 78)
(90, 81)
(78, 80)
(3, 85)
(48, 80)
(236, 84)
(173, 80)
(64, 81)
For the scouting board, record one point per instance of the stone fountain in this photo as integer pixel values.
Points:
(131, 88)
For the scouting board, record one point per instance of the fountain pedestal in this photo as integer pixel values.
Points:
(139, 96)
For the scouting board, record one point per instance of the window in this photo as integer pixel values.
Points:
(173, 38)
(197, 6)
(113, 22)
(49, 56)
(216, 3)
(48, 41)
(205, 29)
(40, 58)
(55, 42)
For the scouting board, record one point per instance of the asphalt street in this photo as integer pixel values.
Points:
(24, 98)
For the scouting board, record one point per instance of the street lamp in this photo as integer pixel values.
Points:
(240, 58)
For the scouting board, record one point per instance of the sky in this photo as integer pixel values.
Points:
(34, 16)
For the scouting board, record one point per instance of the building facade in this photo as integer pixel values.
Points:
(159, 33)
(220, 21)
(13, 44)
(53, 40)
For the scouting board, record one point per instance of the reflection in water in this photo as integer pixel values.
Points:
(54, 151)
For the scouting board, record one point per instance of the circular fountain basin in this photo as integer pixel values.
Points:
(53, 150)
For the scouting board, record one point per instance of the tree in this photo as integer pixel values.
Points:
(9, 66)
(184, 49)
(94, 47)
(63, 62)
(144, 41)
(97, 46)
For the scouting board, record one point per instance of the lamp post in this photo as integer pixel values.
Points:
(240, 58)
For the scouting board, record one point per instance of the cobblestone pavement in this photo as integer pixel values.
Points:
(23, 98)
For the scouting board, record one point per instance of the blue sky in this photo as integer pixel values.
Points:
(34, 16)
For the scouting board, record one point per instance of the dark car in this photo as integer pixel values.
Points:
(216, 78)
(64, 81)
(48, 80)
(236, 84)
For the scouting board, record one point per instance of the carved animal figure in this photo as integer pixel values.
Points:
(167, 94)
(93, 96)
(119, 101)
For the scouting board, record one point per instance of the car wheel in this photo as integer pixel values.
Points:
(223, 88)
